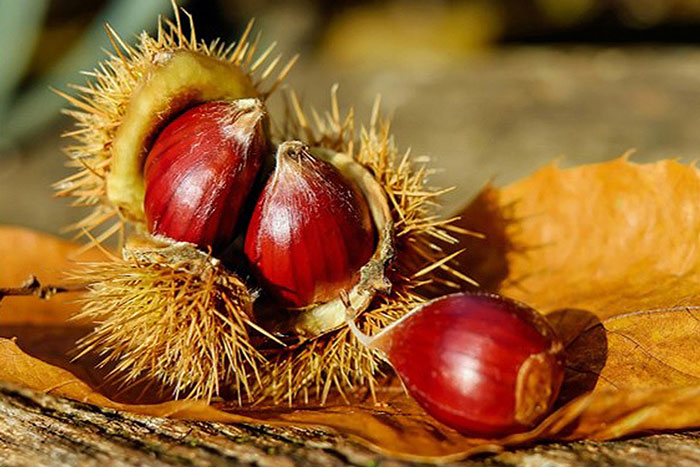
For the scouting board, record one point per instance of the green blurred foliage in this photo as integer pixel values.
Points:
(42, 51)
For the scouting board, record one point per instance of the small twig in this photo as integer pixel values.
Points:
(33, 287)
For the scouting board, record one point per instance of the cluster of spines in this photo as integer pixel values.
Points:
(183, 323)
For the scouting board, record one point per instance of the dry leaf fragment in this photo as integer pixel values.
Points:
(610, 252)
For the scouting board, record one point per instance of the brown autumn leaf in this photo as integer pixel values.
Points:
(607, 250)
(609, 238)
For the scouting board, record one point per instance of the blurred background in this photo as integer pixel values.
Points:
(490, 89)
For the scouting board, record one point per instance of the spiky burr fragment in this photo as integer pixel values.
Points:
(197, 313)
(332, 362)
(173, 314)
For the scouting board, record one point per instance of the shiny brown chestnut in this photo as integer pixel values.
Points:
(311, 230)
(200, 171)
(482, 364)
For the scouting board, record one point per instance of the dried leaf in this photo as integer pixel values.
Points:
(609, 238)
(607, 250)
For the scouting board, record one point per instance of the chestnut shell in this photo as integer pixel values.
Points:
(311, 230)
(174, 81)
(200, 172)
(482, 364)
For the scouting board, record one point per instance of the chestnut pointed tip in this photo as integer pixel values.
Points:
(292, 149)
(252, 106)
(289, 154)
(252, 103)
(244, 120)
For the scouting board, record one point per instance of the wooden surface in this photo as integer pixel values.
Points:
(41, 430)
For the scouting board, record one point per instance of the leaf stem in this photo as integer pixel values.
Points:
(33, 287)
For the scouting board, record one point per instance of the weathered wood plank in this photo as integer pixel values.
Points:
(41, 430)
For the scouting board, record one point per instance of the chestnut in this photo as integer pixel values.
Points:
(311, 230)
(482, 364)
(200, 170)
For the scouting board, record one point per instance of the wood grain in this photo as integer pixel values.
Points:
(42, 430)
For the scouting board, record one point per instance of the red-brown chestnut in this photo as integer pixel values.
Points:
(482, 364)
(311, 230)
(200, 171)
